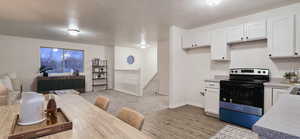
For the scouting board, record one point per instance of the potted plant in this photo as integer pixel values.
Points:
(291, 77)
(44, 70)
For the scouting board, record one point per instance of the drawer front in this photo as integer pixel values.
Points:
(212, 85)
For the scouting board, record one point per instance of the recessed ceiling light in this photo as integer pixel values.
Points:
(213, 2)
(73, 31)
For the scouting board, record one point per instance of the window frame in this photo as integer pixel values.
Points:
(63, 58)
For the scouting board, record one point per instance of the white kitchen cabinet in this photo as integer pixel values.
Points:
(212, 101)
(219, 47)
(256, 30)
(188, 40)
(235, 34)
(250, 31)
(276, 93)
(271, 96)
(297, 26)
(195, 39)
(281, 36)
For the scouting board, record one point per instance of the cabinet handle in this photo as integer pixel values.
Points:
(296, 53)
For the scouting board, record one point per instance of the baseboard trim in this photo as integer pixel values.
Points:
(127, 92)
(212, 115)
(196, 104)
(148, 82)
(176, 105)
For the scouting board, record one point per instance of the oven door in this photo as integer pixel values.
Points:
(248, 95)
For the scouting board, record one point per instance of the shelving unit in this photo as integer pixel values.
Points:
(99, 72)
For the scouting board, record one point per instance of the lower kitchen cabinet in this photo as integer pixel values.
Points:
(277, 93)
(212, 101)
(272, 95)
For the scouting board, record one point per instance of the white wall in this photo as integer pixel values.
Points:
(132, 78)
(21, 55)
(190, 68)
(149, 64)
(121, 54)
(163, 66)
(178, 60)
(128, 76)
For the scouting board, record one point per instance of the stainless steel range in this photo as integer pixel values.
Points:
(242, 96)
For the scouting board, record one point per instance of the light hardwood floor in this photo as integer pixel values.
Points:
(187, 122)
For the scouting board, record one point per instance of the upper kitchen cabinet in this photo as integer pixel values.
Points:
(247, 32)
(256, 30)
(219, 47)
(281, 36)
(297, 26)
(235, 34)
(195, 39)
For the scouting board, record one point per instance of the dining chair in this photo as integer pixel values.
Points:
(131, 117)
(102, 102)
(3, 95)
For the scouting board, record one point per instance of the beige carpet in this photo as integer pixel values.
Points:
(145, 104)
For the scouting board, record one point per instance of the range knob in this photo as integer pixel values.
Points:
(259, 72)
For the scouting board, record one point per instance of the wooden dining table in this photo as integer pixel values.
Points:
(89, 121)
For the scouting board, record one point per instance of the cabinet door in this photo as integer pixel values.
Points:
(276, 93)
(219, 47)
(235, 34)
(195, 38)
(188, 40)
(256, 30)
(212, 100)
(202, 38)
(281, 36)
(297, 26)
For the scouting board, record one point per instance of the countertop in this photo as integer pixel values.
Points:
(282, 120)
(217, 78)
(278, 83)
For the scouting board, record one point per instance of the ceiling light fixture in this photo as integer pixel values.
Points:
(73, 31)
(143, 44)
(213, 2)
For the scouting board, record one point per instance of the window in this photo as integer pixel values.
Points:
(62, 60)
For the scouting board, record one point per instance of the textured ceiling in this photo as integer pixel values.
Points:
(117, 22)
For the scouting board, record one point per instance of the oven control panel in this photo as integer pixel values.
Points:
(249, 71)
